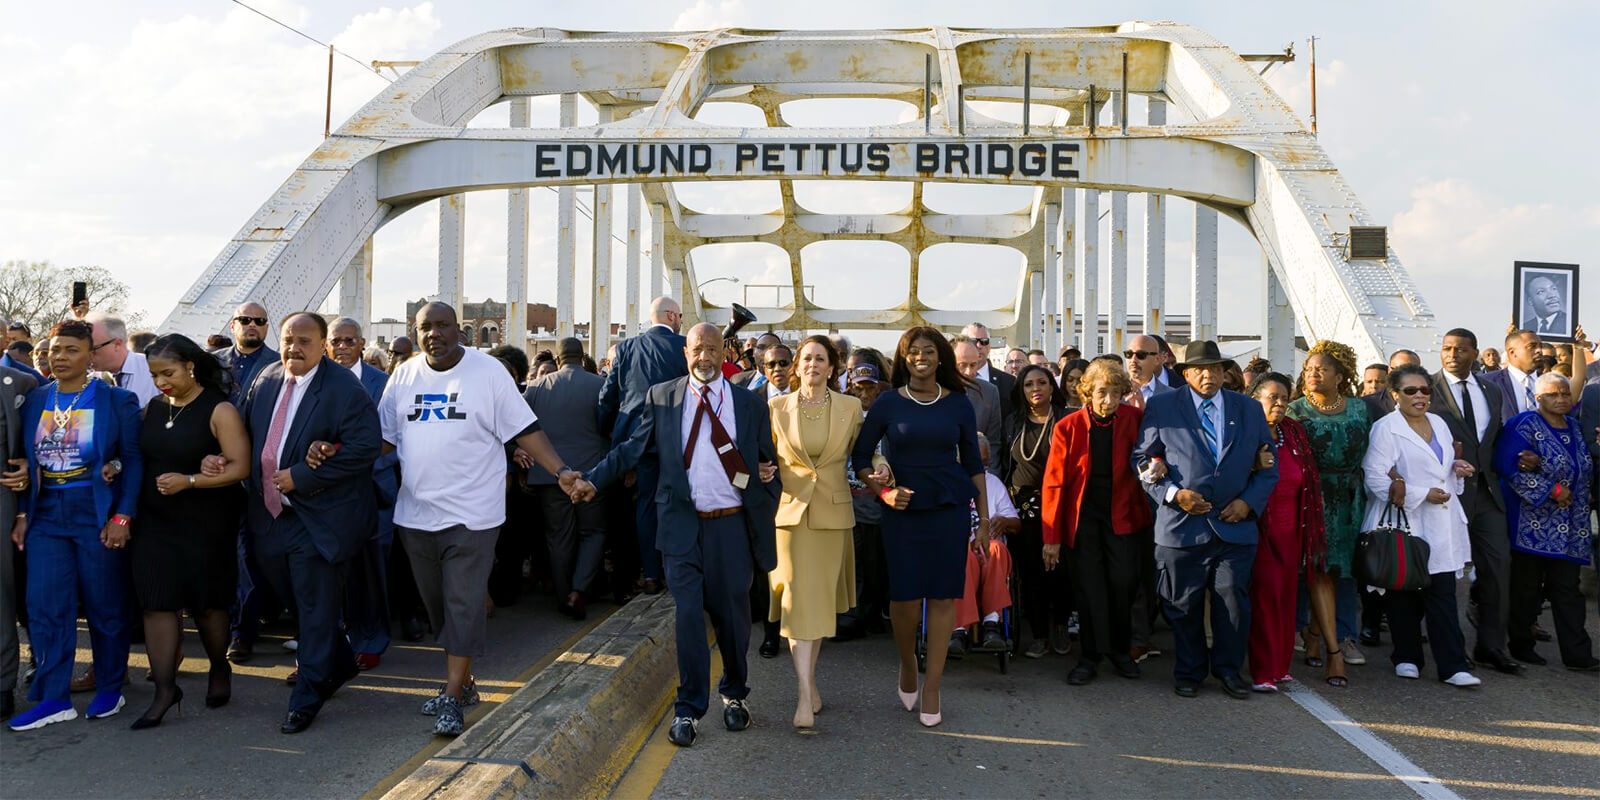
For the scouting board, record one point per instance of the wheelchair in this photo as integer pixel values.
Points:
(1008, 629)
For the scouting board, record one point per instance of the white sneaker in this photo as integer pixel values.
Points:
(1464, 680)
(1410, 671)
(291, 645)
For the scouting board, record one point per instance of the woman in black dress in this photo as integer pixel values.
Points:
(930, 437)
(1037, 405)
(184, 553)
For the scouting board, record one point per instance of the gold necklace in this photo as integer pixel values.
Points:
(1331, 408)
(822, 407)
(64, 418)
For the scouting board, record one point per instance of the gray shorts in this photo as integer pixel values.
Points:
(452, 571)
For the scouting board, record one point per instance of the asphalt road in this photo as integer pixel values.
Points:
(370, 730)
(1029, 734)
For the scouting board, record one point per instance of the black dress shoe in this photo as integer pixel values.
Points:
(412, 629)
(1370, 637)
(8, 704)
(1497, 659)
(1591, 665)
(1081, 674)
(682, 732)
(572, 606)
(1236, 687)
(240, 651)
(1528, 656)
(769, 640)
(1125, 666)
(650, 586)
(958, 644)
(1540, 633)
(1186, 689)
(296, 721)
(992, 641)
(735, 714)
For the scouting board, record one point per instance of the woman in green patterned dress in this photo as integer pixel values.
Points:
(1336, 424)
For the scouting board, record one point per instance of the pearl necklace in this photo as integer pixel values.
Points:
(936, 398)
(1044, 433)
(822, 406)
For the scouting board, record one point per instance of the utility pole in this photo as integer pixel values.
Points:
(327, 114)
(1313, 84)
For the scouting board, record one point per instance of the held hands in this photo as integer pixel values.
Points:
(1563, 495)
(1192, 502)
(768, 471)
(1462, 469)
(283, 480)
(171, 482)
(114, 535)
(882, 477)
(1052, 556)
(19, 532)
(1528, 461)
(522, 458)
(15, 478)
(1235, 511)
(1154, 470)
(578, 489)
(321, 451)
(898, 497)
(1265, 459)
(212, 466)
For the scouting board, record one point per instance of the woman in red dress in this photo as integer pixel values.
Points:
(1291, 535)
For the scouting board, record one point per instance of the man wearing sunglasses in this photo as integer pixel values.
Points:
(775, 363)
(1004, 382)
(249, 352)
(1146, 360)
(110, 354)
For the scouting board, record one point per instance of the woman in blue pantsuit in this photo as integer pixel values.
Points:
(84, 468)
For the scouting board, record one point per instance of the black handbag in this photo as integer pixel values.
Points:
(1390, 557)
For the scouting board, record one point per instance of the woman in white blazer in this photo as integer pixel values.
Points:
(1411, 462)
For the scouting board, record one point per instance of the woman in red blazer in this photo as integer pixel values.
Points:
(1092, 501)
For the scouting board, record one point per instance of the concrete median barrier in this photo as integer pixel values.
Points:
(572, 730)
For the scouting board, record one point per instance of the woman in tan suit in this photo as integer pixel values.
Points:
(815, 580)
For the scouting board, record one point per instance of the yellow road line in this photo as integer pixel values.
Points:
(438, 743)
(651, 762)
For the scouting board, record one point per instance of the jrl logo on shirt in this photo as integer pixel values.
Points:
(441, 407)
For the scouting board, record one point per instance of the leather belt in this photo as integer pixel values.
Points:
(721, 512)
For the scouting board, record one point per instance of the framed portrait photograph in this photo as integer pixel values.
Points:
(1545, 299)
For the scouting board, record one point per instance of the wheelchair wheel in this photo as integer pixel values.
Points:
(922, 661)
(1005, 661)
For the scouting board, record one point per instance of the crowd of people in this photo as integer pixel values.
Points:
(824, 490)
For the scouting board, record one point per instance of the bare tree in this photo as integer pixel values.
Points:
(39, 293)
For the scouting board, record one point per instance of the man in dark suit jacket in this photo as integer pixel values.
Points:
(716, 507)
(1471, 406)
(306, 525)
(1515, 379)
(1003, 381)
(1380, 403)
(14, 386)
(366, 607)
(1589, 420)
(576, 533)
(1543, 309)
(1208, 500)
(643, 361)
(242, 363)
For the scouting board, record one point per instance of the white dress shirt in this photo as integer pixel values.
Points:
(1519, 380)
(773, 390)
(983, 372)
(300, 385)
(1475, 396)
(134, 375)
(709, 486)
(355, 369)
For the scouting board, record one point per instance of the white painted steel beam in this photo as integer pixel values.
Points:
(1067, 297)
(514, 331)
(566, 235)
(1155, 244)
(600, 291)
(1277, 343)
(1117, 329)
(630, 281)
(452, 249)
(1203, 287)
(355, 287)
(1050, 303)
(1089, 273)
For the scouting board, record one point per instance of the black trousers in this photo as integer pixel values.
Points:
(1044, 594)
(1535, 578)
(521, 539)
(1491, 561)
(294, 568)
(1146, 601)
(1185, 577)
(1436, 604)
(622, 541)
(872, 579)
(576, 536)
(1105, 569)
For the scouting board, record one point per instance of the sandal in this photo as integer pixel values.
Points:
(1336, 676)
(1313, 645)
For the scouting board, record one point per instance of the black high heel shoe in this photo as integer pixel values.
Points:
(148, 721)
(215, 699)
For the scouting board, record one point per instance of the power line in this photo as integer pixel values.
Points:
(585, 211)
(308, 37)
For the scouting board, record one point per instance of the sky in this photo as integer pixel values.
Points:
(142, 142)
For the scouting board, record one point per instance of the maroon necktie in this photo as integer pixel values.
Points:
(732, 462)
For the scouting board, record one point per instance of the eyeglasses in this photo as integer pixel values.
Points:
(243, 320)
(1139, 354)
(981, 342)
(343, 341)
(1410, 391)
(779, 363)
(94, 348)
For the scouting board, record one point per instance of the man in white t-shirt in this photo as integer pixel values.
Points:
(449, 415)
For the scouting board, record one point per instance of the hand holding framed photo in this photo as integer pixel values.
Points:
(1545, 299)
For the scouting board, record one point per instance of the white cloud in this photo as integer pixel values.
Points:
(710, 14)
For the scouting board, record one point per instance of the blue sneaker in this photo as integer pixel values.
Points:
(105, 704)
(46, 713)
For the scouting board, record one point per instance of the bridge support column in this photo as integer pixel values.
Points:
(1089, 272)
(452, 252)
(630, 281)
(1048, 312)
(1118, 328)
(1203, 309)
(658, 249)
(355, 287)
(514, 331)
(1277, 341)
(1066, 294)
(566, 243)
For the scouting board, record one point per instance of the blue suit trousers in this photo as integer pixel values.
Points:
(713, 579)
(66, 558)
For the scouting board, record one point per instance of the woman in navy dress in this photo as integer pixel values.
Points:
(930, 439)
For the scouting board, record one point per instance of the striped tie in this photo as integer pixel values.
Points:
(1527, 391)
(1207, 426)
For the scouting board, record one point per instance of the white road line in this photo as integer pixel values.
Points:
(1369, 744)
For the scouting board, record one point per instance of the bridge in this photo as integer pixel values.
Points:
(1051, 109)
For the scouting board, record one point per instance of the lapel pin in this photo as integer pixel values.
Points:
(8, 380)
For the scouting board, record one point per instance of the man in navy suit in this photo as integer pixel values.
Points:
(643, 361)
(1515, 379)
(366, 608)
(715, 506)
(1208, 497)
(306, 527)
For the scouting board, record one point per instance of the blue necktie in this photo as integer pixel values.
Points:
(1207, 426)
(1527, 391)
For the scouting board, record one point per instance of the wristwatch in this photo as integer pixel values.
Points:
(116, 465)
